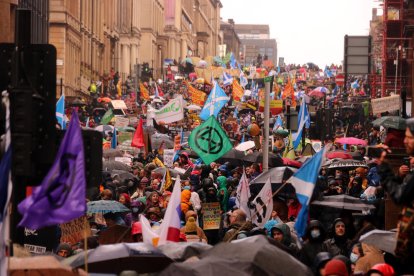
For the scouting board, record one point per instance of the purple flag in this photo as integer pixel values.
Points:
(62, 195)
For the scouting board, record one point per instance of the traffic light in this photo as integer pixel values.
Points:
(146, 72)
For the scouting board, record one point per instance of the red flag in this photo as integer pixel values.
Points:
(160, 91)
(138, 140)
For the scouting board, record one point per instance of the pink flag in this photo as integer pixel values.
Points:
(243, 195)
(170, 227)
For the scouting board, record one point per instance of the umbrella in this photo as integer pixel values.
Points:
(173, 173)
(345, 202)
(257, 157)
(41, 265)
(126, 129)
(182, 251)
(115, 165)
(202, 64)
(105, 128)
(193, 107)
(250, 256)
(318, 92)
(110, 153)
(349, 164)
(104, 99)
(338, 154)
(395, 122)
(351, 141)
(384, 240)
(122, 175)
(158, 138)
(77, 102)
(115, 258)
(291, 163)
(106, 206)
(277, 176)
(245, 146)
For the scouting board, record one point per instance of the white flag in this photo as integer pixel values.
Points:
(149, 236)
(243, 195)
(262, 206)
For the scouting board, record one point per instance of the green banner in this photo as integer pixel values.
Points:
(107, 117)
(209, 141)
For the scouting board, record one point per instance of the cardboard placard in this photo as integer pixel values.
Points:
(169, 158)
(121, 122)
(74, 230)
(211, 215)
(385, 104)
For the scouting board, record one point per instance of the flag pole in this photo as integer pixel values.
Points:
(265, 144)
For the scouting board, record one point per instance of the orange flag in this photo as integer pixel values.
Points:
(144, 92)
(237, 91)
(289, 92)
(138, 139)
(197, 97)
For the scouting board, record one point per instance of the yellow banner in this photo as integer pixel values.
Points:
(144, 92)
(197, 97)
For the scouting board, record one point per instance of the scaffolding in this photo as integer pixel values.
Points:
(394, 65)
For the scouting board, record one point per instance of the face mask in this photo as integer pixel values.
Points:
(315, 233)
(354, 257)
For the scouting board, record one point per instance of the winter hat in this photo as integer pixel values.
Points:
(383, 269)
(191, 225)
(335, 267)
(144, 180)
(136, 228)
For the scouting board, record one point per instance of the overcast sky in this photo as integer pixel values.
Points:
(305, 30)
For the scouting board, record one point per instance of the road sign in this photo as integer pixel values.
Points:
(340, 79)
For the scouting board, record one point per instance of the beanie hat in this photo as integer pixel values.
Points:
(136, 228)
(191, 225)
(335, 267)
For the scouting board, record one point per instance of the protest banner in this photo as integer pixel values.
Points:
(211, 215)
(171, 112)
(169, 158)
(74, 230)
(121, 122)
(385, 104)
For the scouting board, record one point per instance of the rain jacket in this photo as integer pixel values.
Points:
(222, 193)
(312, 246)
(185, 201)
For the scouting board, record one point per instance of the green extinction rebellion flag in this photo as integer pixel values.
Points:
(107, 117)
(209, 141)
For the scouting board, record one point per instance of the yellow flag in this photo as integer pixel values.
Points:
(289, 150)
(168, 180)
(144, 92)
(158, 162)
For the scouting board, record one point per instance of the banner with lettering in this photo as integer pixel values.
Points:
(276, 106)
(172, 112)
(211, 215)
(74, 231)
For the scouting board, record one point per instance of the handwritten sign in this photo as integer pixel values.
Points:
(121, 122)
(169, 158)
(385, 104)
(211, 215)
(74, 230)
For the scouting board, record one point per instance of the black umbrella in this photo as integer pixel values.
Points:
(344, 202)
(115, 165)
(173, 173)
(115, 258)
(250, 256)
(122, 175)
(111, 153)
(77, 102)
(277, 176)
(257, 157)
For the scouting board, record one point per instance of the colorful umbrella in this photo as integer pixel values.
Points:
(338, 154)
(104, 99)
(318, 92)
(351, 141)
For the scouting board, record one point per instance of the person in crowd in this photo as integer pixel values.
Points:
(137, 207)
(64, 250)
(319, 263)
(281, 233)
(185, 201)
(371, 257)
(125, 200)
(339, 244)
(222, 193)
(314, 238)
(136, 232)
(153, 200)
(140, 192)
(356, 254)
(239, 226)
(154, 216)
(335, 267)
(106, 194)
(199, 231)
(381, 270)
(400, 188)
(192, 232)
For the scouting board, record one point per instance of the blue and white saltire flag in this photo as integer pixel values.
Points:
(328, 72)
(227, 79)
(335, 90)
(243, 79)
(304, 181)
(232, 61)
(215, 102)
(355, 84)
(60, 111)
(303, 121)
(87, 123)
(278, 123)
(243, 138)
